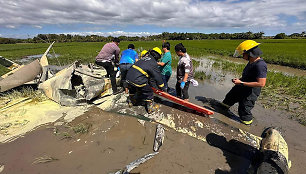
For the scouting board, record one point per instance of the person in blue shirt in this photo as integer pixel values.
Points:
(128, 58)
(165, 64)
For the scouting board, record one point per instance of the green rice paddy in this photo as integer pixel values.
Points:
(281, 91)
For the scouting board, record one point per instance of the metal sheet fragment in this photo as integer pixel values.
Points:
(159, 137)
(20, 76)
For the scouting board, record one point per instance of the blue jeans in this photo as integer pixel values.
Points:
(124, 69)
(165, 80)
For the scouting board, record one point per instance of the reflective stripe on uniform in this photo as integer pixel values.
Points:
(137, 84)
(141, 70)
(247, 122)
(162, 85)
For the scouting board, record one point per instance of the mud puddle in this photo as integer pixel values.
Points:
(111, 142)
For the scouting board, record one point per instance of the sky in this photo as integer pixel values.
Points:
(27, 18)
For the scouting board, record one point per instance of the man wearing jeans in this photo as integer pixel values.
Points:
(165, 64)
(109, 58)
(128, 58)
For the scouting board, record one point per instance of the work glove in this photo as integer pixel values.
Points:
(182, 85)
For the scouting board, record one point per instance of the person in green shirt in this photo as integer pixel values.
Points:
(165, 64)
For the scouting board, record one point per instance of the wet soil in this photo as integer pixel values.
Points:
(113, 140)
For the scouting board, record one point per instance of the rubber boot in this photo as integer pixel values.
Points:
(130, 101)
(149, 106)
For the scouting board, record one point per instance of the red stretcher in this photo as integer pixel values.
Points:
(183, 102)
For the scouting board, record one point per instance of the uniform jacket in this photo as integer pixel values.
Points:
(144, 69)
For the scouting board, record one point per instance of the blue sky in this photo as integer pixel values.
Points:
(23, 19)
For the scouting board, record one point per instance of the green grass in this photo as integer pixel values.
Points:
(3, 70)
(81, 128)
(25, 92)
(289, 52)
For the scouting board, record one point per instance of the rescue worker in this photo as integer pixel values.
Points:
(139, 78)
(184, 72)
(143, 53)
(128, 58)
(165, 64)
(108, 58)
(248, 87)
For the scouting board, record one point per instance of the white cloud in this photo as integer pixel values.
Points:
(261, 14)
(10, 26)
(38, 26)
(114, 33)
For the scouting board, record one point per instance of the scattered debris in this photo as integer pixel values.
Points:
(13, 103)
(1, 168)
(44, 159)
(75, 84)
(8, 63)
(136, 163)
(67, 86)
(274, 151)
(58, 123)
(23, 73)
(142, 122)
(20, 76)
(159, 137)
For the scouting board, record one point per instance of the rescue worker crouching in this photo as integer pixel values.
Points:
(139, 78)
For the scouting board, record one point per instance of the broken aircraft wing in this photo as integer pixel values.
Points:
(20, 76)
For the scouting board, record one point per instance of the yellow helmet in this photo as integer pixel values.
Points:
(244, 47)
(157, 50)
(143, 53)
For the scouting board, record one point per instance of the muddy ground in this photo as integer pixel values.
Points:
(106, 141)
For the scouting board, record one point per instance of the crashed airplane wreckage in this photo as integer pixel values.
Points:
(66, 85)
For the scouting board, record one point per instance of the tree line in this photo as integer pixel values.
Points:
(40, 38)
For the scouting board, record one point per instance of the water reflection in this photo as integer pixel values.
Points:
(28, 59)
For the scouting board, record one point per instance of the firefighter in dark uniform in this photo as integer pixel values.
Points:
(248, 87)
(140, 77)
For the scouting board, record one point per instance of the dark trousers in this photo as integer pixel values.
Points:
(143, 93)
(124, 69)
(182, 93)
(109, 67)
(165, 80)
(246, 97)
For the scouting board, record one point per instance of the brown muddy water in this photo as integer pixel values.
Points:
(194, 143)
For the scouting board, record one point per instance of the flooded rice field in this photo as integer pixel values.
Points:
(29, 59)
